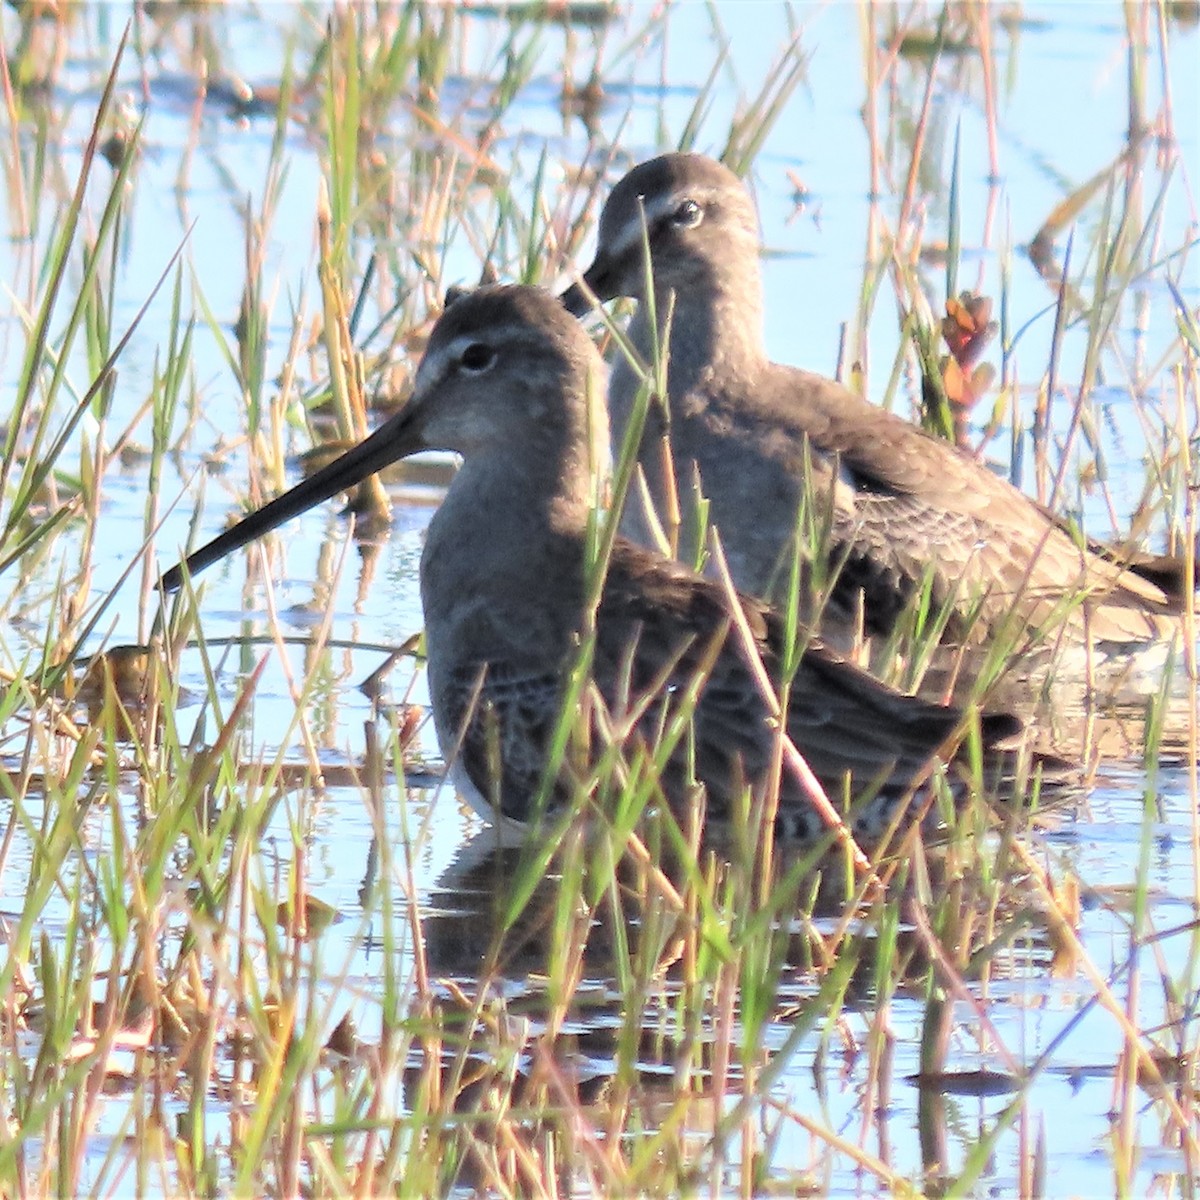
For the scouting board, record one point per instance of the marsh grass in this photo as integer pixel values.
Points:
(619, 1008)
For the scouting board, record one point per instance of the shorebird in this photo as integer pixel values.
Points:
(513, 384)
(906, 506)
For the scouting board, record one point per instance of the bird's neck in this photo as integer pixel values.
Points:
(528, 486)
(513, 526)
(715, 350)
(716, 326)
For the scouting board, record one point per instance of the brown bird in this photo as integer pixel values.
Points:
(514, 385)
(905, 506)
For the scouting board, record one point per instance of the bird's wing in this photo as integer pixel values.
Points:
(839, 718)
(913, 498)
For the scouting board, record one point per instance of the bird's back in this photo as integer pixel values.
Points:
(903, 504)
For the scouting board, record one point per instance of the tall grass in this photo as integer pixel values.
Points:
(626, 1009)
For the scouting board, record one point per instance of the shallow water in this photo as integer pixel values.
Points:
(819, 254)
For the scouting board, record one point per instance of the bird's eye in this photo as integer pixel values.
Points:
(477, 358)
(688, 215)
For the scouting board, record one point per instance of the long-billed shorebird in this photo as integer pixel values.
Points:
(905, 505)
(513, 384)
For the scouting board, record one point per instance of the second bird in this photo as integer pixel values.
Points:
(905, 505)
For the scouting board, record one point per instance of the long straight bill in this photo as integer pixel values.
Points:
(391, 441)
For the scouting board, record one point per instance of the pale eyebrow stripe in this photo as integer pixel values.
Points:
(433, 366)
(437, 367)
(656, 208)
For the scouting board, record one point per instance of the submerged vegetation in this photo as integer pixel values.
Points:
(251, 943)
